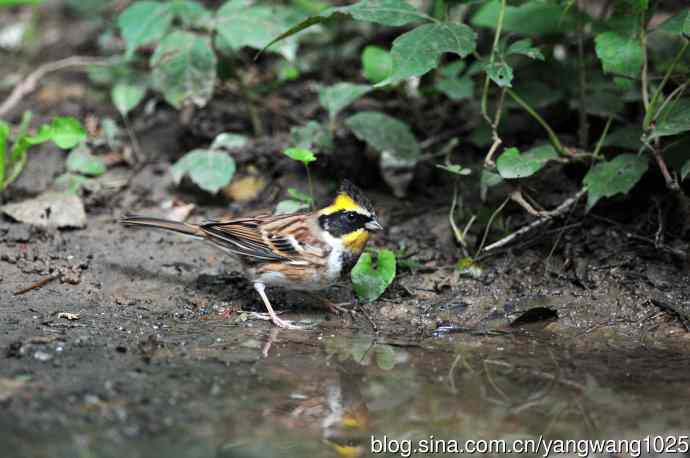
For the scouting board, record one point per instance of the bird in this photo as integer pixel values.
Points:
(303, 251)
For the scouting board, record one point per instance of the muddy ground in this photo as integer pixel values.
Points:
(140, 345)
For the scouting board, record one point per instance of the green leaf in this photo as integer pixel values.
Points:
(500, 73)
(239, 23)
(80, 160)
(65, 132)
(126, 96)
(456, 88)
(685, 171)
(229, 141)
(455, 169)
(69, 182)
(419, 50)
(184, 68)
(302, 155)
(144, 22)
(625, 137)
(335, 98)
(370, 282)
(210, 170)
(613, 177)
(673, 120)
(385, 133)
(512, 164)
(300, 196)
(531, 18)
(4, 3)
(290, 206)
(525, 48)
(619, 55)
(377, 64)
(312, 136)
(487, 180)
(192, 14)
(387, 12)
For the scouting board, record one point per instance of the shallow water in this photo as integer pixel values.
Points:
(264, 393)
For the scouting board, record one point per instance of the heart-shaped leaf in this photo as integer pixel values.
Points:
(335, 98)
(65, 132)
(80, 160)
(144, 22)
(126, 96)
(209, 169)
(377, 64)
(512, 164)
(613, 177)
(385, 133)
(370, 282)
(419, 50)
(302, 155)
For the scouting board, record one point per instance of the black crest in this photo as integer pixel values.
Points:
(357, 195)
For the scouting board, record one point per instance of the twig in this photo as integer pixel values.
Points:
(39, 284)
(29, 83)
(671, 182)
(546, 217)
(489, 224)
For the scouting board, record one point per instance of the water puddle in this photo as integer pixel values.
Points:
(332, 395)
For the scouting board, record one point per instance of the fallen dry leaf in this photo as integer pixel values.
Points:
(50, 209)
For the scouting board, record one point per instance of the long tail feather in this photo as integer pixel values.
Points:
(158, 223)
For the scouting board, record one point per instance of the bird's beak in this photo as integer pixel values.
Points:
(373, 226)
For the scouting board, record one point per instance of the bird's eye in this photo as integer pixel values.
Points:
(352, 217)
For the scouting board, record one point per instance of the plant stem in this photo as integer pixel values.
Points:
(552, 135)
(583, 131)
(311, 187)
(645, 62)
(651, 109)
(497, 37)
(595, 154)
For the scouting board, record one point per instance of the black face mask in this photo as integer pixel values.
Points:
(343, 222)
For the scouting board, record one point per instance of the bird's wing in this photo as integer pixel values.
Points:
(267, 237)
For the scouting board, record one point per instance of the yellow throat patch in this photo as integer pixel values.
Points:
(355, 241)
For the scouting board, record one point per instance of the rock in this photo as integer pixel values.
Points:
(50, 209)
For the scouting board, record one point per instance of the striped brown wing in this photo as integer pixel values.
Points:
(265, 237)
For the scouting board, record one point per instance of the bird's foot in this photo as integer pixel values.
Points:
(276, 320)
(341, 307)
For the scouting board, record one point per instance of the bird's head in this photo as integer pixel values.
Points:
(350, 218)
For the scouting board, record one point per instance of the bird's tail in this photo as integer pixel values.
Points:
(191, 230)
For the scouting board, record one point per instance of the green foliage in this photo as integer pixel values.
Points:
(377, 64)
(184, 68)
(312, 136)
(80, 160)
(512, 164)
(685, 171)
(65, 132)
(500, 73)
(7, 3)
(370, 281)
(126, 96)
(302, 155)
(673, 120)
(616, 176)
(299, 201)
(213, 168)
(144, 22)
(534, 17)
(335, 98)
(619, 55)
(455, 169)
(385, 133)
(418, 51)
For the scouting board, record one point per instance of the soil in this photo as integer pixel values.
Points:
(139, 343)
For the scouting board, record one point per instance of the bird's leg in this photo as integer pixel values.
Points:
(261, 289)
